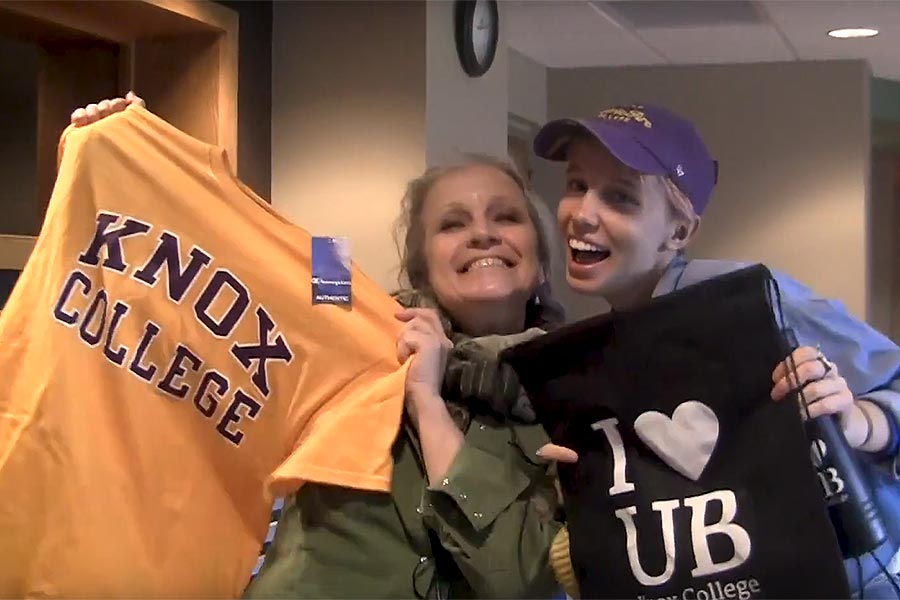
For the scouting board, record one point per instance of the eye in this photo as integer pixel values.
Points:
(450, 225)
(576, 186)
(620, 197)
(510, 216)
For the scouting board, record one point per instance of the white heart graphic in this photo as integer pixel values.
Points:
(686, 441)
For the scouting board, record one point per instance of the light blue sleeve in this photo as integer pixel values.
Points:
(867, 359)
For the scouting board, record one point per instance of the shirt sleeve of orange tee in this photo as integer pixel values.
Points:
(349, 443)
(347, 438)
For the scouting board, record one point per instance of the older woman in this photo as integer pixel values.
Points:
(471, 512)
(637, 180)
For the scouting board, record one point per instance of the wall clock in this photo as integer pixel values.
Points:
(477, 33)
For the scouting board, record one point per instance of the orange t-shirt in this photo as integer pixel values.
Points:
(165, 373)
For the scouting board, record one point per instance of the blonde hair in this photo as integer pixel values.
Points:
(679, 204)
(409, 234)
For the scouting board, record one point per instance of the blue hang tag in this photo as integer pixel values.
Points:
(331, 271)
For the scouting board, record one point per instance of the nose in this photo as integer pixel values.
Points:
(483, 234)
(586, 216)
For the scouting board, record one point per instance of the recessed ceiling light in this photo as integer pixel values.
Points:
(853, 32)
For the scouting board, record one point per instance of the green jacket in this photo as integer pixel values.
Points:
(483, 532)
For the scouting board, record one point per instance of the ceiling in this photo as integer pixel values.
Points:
(569, 33)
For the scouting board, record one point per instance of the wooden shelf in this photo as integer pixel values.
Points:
(181, 56)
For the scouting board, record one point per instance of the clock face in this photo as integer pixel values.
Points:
(482, 28)
(477, 31)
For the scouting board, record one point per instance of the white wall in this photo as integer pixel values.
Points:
(527, 112)
(793, 144)
(527, 88)
(464, 114)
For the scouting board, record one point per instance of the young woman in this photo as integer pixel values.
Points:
(637, 180)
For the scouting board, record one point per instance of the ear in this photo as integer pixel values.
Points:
(682, 233)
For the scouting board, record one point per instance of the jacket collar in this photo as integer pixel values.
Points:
(671, 277)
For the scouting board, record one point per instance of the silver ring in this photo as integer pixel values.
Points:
(827, 364)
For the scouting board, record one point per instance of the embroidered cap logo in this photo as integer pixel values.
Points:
(626, 115)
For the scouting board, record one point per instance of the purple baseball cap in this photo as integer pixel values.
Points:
(649, 139)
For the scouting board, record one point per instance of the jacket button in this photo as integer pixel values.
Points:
(463, 496)
(477, 515)
(419, 510)
(423, 559)
(445, 481)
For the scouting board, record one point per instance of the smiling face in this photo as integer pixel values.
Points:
(619, 227)
(480, 245)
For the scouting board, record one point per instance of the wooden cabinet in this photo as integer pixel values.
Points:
(180, 55)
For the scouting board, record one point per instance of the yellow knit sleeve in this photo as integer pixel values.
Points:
(562, 563)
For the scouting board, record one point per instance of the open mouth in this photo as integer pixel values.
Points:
(584, 253)
(486, 263)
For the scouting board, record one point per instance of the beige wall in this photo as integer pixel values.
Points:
(885, 211)
(883, 264)
(364, 95)
(895, 252)
(348, 120)
(793, 144)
